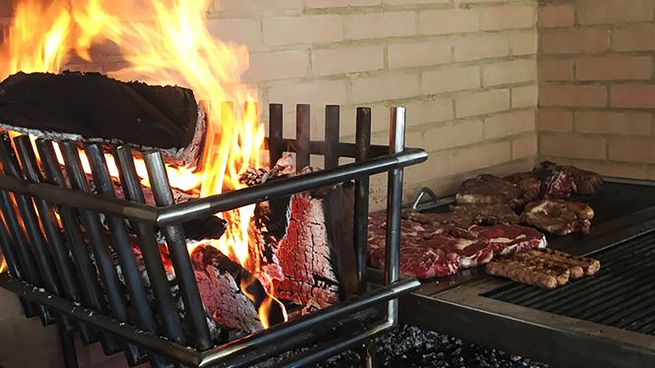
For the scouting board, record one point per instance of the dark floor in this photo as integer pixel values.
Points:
(412, 347)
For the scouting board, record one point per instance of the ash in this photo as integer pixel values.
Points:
(413, 347)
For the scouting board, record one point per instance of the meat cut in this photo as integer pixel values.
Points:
(489, 189)
(545, 268)
(558, 216)
(431, 250)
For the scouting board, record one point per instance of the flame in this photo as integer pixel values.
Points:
(3, 264)
(173, 47)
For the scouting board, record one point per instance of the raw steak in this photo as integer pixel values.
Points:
(558, 216)
(429, 250)
(584, 182)
(489, 189)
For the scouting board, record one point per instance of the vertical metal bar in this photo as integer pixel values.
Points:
(28, 213)
(62, 263)
(150, 249)
(303, 129)
(360, 232)
(275, 132)
(99, 248)
(362, 148)
(91, 294)
(394, 203)
(175, 238)
(331, 136)
(121, 244)
(47, 217)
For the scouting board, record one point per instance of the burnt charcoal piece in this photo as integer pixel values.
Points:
(308, 251)
(558, 216)
(92, 107)
(210, 227)
(489, 189)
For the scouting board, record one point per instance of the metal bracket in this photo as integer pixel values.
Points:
(424, 191)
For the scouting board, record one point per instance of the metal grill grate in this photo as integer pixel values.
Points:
(621, 294)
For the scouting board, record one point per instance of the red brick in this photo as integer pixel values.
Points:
(555, 69)
(634, 38)
(572, 96)
(572, 146)
(575, 41)
(556, 15)
(610, 122)
(614, 11)
(614, 67)
(633, 96)
(632, 149)
(549, 120)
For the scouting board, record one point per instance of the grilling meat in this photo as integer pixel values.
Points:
(558, 216)
(545, 268)
(486, 214)
(550, 180)
(584, 182)
(489, 189)
(429, 249)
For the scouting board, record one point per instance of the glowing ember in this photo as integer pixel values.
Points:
(174, 47)
(3, 265)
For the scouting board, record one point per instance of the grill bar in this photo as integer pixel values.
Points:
(620, 295)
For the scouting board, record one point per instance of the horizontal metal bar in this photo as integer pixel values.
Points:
(320, 318)
(223, 202)
(80, 200)
(170, 349)
(192, 357)
(213, 204)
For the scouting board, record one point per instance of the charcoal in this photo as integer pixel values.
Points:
(93, 107)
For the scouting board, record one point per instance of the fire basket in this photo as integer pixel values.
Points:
(49, 217)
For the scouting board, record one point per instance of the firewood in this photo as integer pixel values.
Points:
(93, 107)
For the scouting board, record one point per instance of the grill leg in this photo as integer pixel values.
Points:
(67, 341)
(367, 355)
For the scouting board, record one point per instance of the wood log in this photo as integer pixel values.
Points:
(308, 245)
(92, 107)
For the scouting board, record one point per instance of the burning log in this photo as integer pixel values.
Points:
(93, 107)
(308, 249)
(219, 281)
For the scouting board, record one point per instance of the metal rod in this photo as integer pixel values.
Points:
(150, 249)
(331, 136)
(320, 318)
(196, 316)
(101, 253)
(275, 132)
(69, 283)
(224, 202)
(394, 206)
(213, 204)
(28, 214)
(363, 142)
(85, 270)
(121, 244)
(303, 129)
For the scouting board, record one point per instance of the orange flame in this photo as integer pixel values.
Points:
(173, 47)
(3, 264)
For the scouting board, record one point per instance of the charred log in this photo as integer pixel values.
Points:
(93, 107)
(308, 247)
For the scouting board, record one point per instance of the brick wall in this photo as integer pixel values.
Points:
(465, 70)
(596, 90)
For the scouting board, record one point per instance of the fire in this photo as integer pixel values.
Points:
(173, 47)
(3, 264)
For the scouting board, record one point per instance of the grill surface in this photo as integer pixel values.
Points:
(620, 295)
